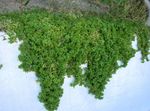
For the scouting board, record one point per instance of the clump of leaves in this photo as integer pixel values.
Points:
(1, 66)
(55, 44)
(134, 10)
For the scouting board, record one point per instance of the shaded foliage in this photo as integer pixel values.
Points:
(1, 66)
(134, 10)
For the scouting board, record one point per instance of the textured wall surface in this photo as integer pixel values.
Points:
(66, 5)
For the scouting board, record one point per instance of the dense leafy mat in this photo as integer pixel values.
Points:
(55, 44)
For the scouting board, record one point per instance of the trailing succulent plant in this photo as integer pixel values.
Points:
(56, 44)
(1, 66)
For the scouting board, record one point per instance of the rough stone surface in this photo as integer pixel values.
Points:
(64, 5)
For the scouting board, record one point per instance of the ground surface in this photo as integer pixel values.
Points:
(128, 89)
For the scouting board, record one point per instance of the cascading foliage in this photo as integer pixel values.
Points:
(1, 66)
(55, 44)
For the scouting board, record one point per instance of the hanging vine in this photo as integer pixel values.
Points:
(56, 44)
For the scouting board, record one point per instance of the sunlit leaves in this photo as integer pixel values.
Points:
(56, 44)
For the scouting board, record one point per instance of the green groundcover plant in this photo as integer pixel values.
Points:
(1, 66)
(134, 10)
(56, 44)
